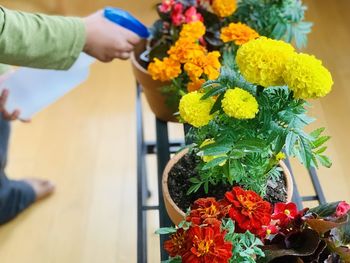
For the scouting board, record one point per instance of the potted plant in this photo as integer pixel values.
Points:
(163, 90)
(242, 227)
(247, 121)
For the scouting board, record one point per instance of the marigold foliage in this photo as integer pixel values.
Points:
(240, 104)
(195, 111)
(193, 31)
(208, 158)
(165, 69)
(238, 33)
(262, 61)
(307, 77)
(224, 8)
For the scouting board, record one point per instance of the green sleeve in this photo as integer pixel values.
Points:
(40, 41)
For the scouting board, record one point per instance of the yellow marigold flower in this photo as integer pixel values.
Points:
(240, 104)
(280, 156)
(195, 85)
(262, 61)
(307, 77)
(207, 159)
(193, 31)
(238, 33)
(208, 64)
(195, 111)
(185, 49)
(164, 70)
(224, 8)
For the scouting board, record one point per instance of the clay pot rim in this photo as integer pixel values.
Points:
(137, 64)
(179, 155)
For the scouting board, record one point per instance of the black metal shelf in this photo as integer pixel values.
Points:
(162, 148)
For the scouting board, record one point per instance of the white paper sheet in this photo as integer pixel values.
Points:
(32, 90)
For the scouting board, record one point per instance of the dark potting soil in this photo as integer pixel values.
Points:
(184, 169)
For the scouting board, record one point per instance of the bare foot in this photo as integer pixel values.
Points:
(42, 188)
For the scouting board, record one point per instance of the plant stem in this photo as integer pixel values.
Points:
(259, 90)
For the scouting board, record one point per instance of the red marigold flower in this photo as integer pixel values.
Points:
(208, 245)
(177, 16)
(207, 211)
(166, 6)
(342, 208)
(191, 15)
(176, 245)
(248, 210)
(285, 213)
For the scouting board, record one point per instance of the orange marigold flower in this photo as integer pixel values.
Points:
(193, 30)
(224, 8)
(207, 245)
(185, 49)
(238, 33)
(177, 244)
(208, 64)
(248, 210)
(207, 211)
(165, 69)
(195, 85)
(213, 66)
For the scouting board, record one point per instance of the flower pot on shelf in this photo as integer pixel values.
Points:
(152, 88)
(177, 215)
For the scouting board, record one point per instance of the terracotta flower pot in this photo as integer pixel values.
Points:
(151, 88)
(177, 215)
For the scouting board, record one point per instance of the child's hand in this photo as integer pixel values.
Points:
(106, 40)
(6, 115)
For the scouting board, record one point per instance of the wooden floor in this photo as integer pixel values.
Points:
(86, 144)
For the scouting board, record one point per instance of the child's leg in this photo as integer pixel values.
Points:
(15, 196)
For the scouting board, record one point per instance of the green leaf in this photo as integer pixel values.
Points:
(317, 143)
(211, 84)
(305, 151)
(316, 133)
(216, 150)
(206, 187)
(173, 260)
(165, 230)
(321, 150)
(217, 104)
(324, 160)
(251, 144)
(279, 31)
(237, 154)
(325, 210)
(291, 139)
(214, 91)
(194, 188)
(214, 163)
(194, 180)
(236, 170)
